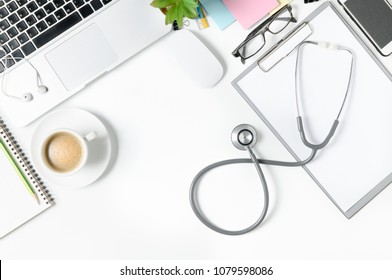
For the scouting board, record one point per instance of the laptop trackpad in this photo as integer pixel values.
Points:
(82, 58)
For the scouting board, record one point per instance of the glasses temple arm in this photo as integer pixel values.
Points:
(293, 19)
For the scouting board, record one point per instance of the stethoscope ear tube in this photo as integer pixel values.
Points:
(316, 146)
(300, 125)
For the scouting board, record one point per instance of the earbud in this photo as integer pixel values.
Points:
(244, 136)
(27, 97)
(42, 89)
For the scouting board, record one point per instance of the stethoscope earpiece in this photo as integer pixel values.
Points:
(244, 136)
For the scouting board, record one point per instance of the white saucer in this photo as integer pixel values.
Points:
(82, 122)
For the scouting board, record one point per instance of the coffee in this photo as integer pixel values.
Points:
(63, 152)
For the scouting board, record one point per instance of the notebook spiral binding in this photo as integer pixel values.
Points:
(25, 164)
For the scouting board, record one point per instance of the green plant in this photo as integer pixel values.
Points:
(176, 10)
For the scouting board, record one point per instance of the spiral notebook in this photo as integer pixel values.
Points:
(22, 193)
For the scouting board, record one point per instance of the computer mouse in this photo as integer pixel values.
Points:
(195, 59)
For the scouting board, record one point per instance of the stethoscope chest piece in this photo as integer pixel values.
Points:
(244, 136)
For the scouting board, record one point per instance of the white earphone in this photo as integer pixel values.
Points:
(28, 96)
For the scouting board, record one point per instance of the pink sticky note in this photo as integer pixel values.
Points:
(248, 12)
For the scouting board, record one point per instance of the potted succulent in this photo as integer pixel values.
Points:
(176, 10)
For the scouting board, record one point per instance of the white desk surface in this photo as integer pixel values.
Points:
(164, 132)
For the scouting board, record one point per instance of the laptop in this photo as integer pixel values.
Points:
(70, 43)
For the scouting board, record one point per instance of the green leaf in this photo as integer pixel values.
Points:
(190, 12)
(170, 16)
(179, 14)
(162, 3)
(190, 8)
(190, 3)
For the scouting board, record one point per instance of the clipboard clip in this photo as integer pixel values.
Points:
(284, 47)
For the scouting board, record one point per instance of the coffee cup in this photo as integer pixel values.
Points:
(65, 152)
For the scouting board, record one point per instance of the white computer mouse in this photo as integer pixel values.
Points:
(195, 59)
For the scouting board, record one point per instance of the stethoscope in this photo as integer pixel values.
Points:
(244, 137)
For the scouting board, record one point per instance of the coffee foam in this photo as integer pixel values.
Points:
(63, 152)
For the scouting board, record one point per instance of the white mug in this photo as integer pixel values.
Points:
(84, 147)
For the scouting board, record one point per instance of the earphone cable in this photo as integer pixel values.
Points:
(5, 59)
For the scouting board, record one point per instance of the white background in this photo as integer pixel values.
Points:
(164, 131)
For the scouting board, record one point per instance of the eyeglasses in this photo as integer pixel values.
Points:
(255, 41)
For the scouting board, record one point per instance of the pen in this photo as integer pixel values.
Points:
(17, 169)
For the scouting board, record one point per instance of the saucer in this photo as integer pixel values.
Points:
(82, 122)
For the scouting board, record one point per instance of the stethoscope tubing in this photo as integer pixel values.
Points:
(253, 159)
(197, 210)
(297, 86)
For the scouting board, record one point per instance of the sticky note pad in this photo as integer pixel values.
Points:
(282, 3)
(218, 12)
(248, 12)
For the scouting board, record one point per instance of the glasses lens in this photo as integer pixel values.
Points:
(252, 46)
(280, 22)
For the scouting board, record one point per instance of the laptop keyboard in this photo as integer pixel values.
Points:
(27, 25)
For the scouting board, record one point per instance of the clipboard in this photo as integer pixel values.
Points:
(357, 164)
